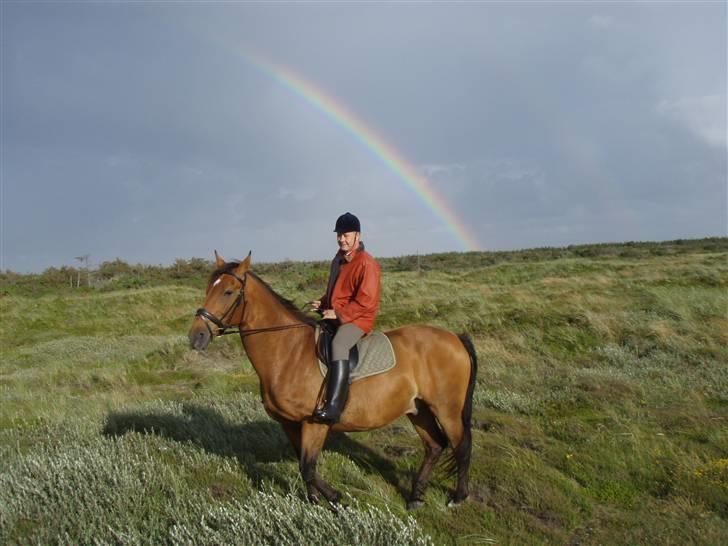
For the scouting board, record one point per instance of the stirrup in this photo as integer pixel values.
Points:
(325, 416)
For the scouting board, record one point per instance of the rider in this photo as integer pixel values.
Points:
(352, 300)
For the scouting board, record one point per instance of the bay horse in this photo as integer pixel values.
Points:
(432, 382)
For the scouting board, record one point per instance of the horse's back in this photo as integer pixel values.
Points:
(437, 359)
(429, 342)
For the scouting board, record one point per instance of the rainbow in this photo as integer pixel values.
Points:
(344, 118)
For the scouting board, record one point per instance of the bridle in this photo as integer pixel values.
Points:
(220, 322)
(226, 328)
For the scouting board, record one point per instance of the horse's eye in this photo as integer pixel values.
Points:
(228, 292)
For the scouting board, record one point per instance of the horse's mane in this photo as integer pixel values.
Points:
(286, 303)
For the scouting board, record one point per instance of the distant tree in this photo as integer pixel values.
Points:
(114, 268)
(84, 260)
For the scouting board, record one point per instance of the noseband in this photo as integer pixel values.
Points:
(225, 328)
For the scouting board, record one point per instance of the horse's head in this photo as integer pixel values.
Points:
(224, 301)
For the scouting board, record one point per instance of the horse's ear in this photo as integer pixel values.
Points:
(244, 265)
(219, 262)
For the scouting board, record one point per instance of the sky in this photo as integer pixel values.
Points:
(151, 131)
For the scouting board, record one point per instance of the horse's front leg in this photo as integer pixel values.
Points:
(293, 431)
(313, 436)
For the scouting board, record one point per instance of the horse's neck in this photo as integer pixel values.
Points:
(262, 308)
(271, 353)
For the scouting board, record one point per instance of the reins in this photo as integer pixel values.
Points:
(270, 329)
(224, 328)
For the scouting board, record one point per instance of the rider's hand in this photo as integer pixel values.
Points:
(315, 305)
(329, 314)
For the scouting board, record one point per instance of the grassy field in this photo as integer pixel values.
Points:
(600, 414)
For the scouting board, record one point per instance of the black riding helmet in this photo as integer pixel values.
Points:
(347, 222)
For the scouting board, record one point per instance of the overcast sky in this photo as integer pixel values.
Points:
(142, 131)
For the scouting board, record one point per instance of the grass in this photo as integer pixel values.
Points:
(175, 480)
(600, 409)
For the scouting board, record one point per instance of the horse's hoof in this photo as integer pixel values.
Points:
(414, 504)
(454, 501)
(334, 499)
(313, 499)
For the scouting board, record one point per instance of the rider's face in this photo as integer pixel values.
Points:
(348, 240)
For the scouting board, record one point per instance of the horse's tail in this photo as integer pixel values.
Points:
(468, 406)
(460, 456)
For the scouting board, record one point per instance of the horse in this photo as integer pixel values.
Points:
(432, 382)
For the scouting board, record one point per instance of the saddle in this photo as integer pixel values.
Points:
(373, 354)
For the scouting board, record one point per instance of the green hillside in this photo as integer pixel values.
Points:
(600, 410)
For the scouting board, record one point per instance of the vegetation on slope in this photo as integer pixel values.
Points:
(600, 408)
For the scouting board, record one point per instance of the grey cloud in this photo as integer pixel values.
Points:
(141, 130)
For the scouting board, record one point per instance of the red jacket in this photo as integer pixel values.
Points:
(355, 296)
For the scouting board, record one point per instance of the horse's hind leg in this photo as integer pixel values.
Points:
(313, 436)
(434, 441)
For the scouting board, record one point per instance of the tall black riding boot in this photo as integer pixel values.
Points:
(337, 391)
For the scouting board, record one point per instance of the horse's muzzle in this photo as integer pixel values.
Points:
(199, 337)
